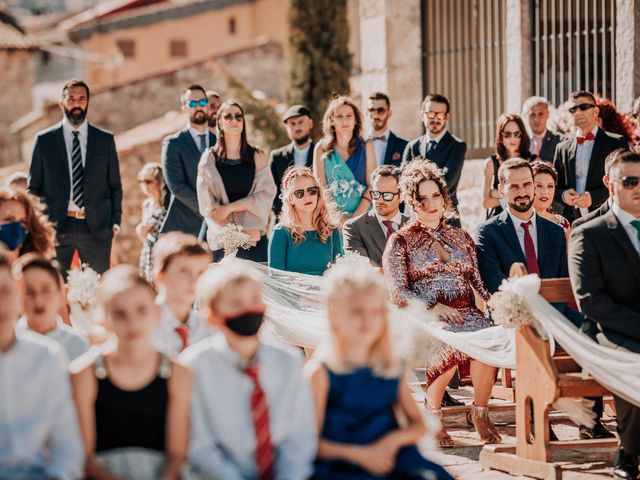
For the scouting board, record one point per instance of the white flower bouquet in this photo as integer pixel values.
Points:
(346, 188)
(509, 310)
(82, 287)
(231, 238)
(351, 258)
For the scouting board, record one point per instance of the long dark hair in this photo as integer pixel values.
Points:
(247, 151)
(525, 143)
(330, 139)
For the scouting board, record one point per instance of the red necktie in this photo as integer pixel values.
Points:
(183, 331)
(588, 138)
(529, 250)
(389, 225)
(260, 414)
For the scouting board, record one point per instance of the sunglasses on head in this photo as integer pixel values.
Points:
(386, 196)
(312, 191)
(511, 134)
(629, 183)
(229, 116)
(582, 107)
(438, 115)
(203, 102)
(379, 110)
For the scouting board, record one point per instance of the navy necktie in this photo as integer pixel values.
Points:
(431, 146)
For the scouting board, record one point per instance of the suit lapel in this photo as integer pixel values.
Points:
(620, 235)
(212, 139)
(389, 151)
(375, 229)
(571, 161)
(441, 146)
(543, 237)
(190, 144)
(62, 151)
(596, 153)
(88, 164)
(289, 157)
(508, 230)
(310, 155)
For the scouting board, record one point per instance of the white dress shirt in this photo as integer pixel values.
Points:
(533, 230)
(300, 155)
(625, 219)
(583, 158)
(380, 146)
(74, 345)
(222, 443)
(168, 341)
(83, 132)
(437, 138)
(195, 134)
(39, 432)
(397, 219)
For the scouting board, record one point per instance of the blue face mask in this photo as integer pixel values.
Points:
(13, 235)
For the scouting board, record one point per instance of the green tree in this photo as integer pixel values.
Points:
(320, 62)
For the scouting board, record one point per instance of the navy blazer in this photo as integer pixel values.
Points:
(448, 154)
(180, 157)
(548, 147)
(565, 163)
(279, 160)
(498, 249)
(50, 180)
(395, 150)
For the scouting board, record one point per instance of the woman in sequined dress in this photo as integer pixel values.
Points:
(435, 263)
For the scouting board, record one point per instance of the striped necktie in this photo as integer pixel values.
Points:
(260, 416)
(77, 172)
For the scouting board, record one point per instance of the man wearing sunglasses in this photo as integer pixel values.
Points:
(579, 160)
(180, 155)
(438, 145)
(604, 266)
(298, 123)
(388, 146)
(367, 234)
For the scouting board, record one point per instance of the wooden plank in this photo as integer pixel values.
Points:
(508, 462)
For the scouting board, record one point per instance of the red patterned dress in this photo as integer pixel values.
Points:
(414, 270)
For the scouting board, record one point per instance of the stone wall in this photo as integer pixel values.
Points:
(16, 82)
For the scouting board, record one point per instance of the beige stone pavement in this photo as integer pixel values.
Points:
(462, 461)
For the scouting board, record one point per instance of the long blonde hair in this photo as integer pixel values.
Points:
(351, 280)
(329, 131)
(323, 221)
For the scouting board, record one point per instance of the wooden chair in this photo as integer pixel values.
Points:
(542, 379)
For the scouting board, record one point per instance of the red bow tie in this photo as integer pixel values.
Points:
(588, 138)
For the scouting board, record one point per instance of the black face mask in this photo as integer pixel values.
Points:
(246, 324)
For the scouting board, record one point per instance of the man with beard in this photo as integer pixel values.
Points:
(388, 146)
(298, 123)
(74, 170)
(214, 104)
(438, 145)
(181, 153)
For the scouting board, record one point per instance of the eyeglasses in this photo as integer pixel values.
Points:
(511, 134)
(312, 191)
(386, 196)
(629, 183)
(583, 107)
(229, 116)
(438, 115)
(203, 102)
(379, 110)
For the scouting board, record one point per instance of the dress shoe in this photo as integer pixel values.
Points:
(626, 466)
(449, 401)
(597, 432)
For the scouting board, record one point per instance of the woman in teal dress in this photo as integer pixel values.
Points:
(343, 161)
(306, 240)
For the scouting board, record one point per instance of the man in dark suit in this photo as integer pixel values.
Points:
(535, 111)
(388, 146)
(298, 123)
(438, 145)
(367, 234)
(74, 170)
(180, 156)
(579, 160)
(604, 265)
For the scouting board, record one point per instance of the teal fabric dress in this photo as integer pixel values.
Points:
(347, 180)
(311, 256)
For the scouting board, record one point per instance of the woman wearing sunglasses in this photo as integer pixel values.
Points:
(512, 141)
(235, 185)
(435, 262)
(307, 239)
(342, 161)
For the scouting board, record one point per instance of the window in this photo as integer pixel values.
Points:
(232, 25)
(127, 48)
(178, 48)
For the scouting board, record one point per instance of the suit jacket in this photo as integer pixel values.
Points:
(605, 275)
(548, 147)
(499, 248)
(448, 154)
(180, 156)
(365, 236)
(281, 159)
(49, 179)
(601, 210)
(565, 163)
(395, 150)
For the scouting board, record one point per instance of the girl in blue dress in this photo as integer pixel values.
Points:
(358, 385)
(343, 161)
(307, 239)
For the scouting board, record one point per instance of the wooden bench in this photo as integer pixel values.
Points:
(542, 379)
